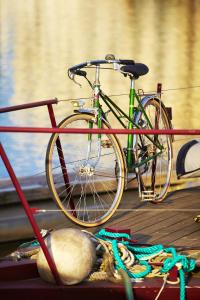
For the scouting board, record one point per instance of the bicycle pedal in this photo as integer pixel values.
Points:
(148, 196)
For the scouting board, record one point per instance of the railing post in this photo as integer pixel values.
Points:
(29, 214)
(61, 157)
(159, 89)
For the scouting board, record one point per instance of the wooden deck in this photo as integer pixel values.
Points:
(168, 223)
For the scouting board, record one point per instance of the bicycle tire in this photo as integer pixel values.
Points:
(88, 200)
(154, 181)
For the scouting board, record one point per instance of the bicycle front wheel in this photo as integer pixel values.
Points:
(85, 172)
(154, 153)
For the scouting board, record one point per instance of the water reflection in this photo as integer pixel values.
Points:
(41, 39)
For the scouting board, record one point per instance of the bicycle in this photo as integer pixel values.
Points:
(88, 173)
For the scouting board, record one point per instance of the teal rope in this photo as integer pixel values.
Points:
(34, 243)
(120, 264)
(105, 235)
(146, 250)
(142, 254)
(182, 284)
(187, 266)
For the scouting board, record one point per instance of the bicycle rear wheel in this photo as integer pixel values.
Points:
(85, 173)
(154, 162)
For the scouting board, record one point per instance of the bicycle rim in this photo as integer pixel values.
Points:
(154, 175)
(94, 169)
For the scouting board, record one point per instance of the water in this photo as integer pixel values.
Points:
(41, 39)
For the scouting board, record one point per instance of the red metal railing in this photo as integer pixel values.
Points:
(54, 129)
(29, 214)
(28, 105)
(17, 186)
(102, 131)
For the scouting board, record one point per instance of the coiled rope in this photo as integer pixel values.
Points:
(144, 254)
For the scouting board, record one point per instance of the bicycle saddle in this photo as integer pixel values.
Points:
(136, 70)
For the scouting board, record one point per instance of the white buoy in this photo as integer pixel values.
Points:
(73, 253)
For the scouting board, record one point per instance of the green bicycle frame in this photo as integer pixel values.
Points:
(120, 114)
(130, 125)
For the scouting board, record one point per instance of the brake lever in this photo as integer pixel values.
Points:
(71, 75)
(116, 66)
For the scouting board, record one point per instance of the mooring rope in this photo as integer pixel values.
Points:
(143, 254)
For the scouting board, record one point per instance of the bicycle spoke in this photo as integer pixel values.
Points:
(154, 175)
(95, 188)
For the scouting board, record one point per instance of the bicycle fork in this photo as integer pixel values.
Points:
(96, 88)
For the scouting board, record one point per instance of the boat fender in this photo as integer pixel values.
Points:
(74, 255)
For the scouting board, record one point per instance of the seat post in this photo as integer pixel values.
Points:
(132, 83)
(131, 101)
(96, 85)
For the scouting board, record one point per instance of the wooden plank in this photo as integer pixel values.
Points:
(156, 226)
(176, 232)
(192, 239)
(146, 226)
(161, 221)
